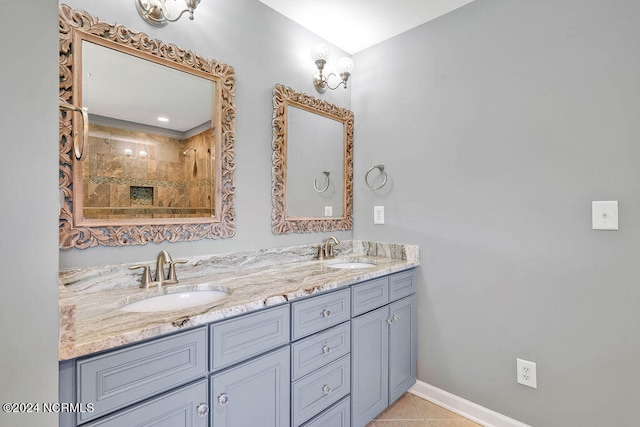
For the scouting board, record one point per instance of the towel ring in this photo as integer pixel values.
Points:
(326, 187)
(366, 177)
(78, 150)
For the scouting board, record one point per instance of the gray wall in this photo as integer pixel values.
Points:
(499, 124)
(265, 48)
(29, 209)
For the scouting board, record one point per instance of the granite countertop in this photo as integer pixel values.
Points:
(90, 299)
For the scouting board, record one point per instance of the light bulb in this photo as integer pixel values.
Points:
(320, 52)
(345, 65)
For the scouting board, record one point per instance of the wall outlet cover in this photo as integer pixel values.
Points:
(526, 373)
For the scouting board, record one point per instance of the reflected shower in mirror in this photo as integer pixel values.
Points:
(312, 164)
(158, 164)
(142, 156)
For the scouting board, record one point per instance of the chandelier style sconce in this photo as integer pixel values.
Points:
(320, 54)
(155, 12)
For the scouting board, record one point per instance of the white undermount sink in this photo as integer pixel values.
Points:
(175, 301)
(351, 264)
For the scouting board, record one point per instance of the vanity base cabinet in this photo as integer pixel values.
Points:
(402, 347)
(336, 359)
(370, 365)
(186, 407)
(254, 393)
(383, 352)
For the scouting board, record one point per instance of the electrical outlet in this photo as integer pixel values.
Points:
(526, 372)
(378, 214)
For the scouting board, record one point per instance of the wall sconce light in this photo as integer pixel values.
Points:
(155, 12)
(320, 54)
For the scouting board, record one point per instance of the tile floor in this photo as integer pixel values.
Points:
(412, 411)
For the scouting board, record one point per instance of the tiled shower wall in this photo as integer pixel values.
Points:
(129, 174)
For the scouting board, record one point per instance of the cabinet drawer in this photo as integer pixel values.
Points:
(315, 351)
(320, 312)
(369, 295)
(176, 409)
(339, 415)
(319, 390)
(402, 284)
(122, 377)
(235, 340)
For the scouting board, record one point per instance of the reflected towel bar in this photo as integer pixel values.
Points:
(326, 187)
(78, 150)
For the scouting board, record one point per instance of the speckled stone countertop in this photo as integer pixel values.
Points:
(90, 298)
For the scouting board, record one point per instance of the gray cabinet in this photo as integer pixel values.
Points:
(185, 407)
(402, 347)
(320, 358)
(370, 365)
(329, 360)
(119, 378)
(243, 337)
(255, 393)
(339, 415)
(383, 347)
(320, 389)
(319, 312)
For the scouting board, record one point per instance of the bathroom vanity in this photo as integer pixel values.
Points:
(336, 350)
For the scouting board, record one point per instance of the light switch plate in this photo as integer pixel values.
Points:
(328, 211)
(378, 214)
(604, 215)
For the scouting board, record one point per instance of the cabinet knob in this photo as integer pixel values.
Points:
(223, 399)
(395, 317)
(326, 313)
(203, 409)
(326, 349)
(326, 389)
(390, 320)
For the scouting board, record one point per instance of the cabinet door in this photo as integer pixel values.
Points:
(255, 393)
(370, 365)
(185, 407)
(402, 347)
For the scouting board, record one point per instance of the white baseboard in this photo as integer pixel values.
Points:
(463, 407)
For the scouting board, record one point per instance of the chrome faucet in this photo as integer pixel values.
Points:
(325, 250)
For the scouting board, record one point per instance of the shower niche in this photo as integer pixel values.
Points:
(144, 175)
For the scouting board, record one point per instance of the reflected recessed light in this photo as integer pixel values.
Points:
(163, 119)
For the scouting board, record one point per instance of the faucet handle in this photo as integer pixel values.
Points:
(146, 275)
(173, 278)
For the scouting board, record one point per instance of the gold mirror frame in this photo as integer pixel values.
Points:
(283, 97)
(76, 232)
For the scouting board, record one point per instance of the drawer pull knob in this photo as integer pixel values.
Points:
(326, 389)
(203, 409)
(326, 349)
(395, 317)
(390, 320)
(326, 313)
(223, 399)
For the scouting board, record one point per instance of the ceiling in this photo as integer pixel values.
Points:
(354, 25)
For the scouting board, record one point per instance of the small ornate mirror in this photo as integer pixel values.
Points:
(157, 162)
(312, 164)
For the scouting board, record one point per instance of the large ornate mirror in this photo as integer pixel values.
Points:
(312, 164)
(157, 162)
